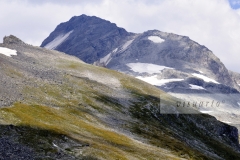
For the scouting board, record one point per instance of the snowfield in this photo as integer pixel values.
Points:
(206, 79)
(226, 122)
(146, 67)
(125, 46)
(153, 80)
(57, 41)
(156, 39)
(108, 58)
(8, 52)
(196, 87)
(206, 111)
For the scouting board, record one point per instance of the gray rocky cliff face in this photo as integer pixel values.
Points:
(12, 40)
(95, 37)
(178, 52)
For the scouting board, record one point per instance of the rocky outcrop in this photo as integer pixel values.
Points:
(11, 40)
(95, 37)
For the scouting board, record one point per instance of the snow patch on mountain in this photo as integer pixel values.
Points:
(156, 39)
(146, 67)
(205, 111)
(196, 87)
(153, 80)
(57, 41)
(206, 79)
(125, 46)
(8, 52)
(227, 122)
(108, 57)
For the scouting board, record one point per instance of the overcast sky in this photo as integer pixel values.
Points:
(212, 23)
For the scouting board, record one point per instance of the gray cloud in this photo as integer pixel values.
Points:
(210, 23)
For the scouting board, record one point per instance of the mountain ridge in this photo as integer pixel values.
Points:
(176, 51)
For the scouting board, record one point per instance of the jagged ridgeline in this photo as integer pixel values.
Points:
(55, 106)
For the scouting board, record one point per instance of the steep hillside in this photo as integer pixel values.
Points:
(63, 108)
(174, 63)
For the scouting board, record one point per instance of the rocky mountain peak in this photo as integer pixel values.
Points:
(89, 19)
(12, 39)
(98, 41)
(96, 37)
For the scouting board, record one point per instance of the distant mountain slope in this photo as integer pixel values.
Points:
(80, 111)
(94, 36)
(173, 63)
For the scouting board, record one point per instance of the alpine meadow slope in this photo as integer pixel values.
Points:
(55, 106)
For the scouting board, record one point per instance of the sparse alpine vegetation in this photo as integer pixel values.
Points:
(54, 106)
